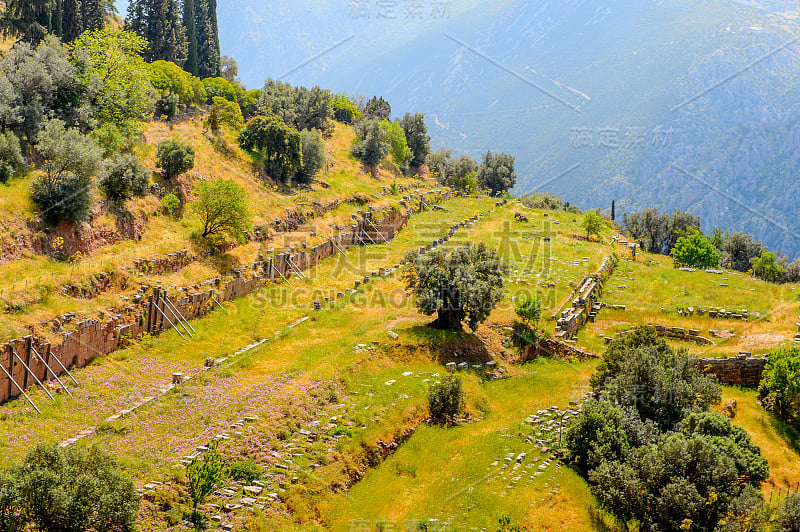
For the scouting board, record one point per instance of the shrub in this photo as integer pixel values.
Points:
(124, 177)
(372, 143)
(789, 515)
(171, 203)
(74, 490)
(400, 151)
(344, 110)
(115, 137)
(244, 470)
(767, 268)
(446, 399)
(71, 159)
(174, 158)
(10, 156)
(313, 155)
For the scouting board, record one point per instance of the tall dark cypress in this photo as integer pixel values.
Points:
(207, 51)
(175, 45)
(212, 11)
(191, 64)
(93, 14)
(71, 21)
(56, 20)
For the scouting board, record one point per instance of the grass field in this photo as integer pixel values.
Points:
(316, 404)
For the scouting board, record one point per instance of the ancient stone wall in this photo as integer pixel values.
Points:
(158, 311)
(735, 371)
(584, 301)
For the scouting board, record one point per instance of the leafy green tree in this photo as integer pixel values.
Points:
(454, 171)
(70, 161)
(10, 156)
(230, 69)
(277, 145)
(204, 475)
(222, 208)
(446, 399)
(174, 158)
(116, 137)
(313, 155)
(400, 151)
(619, 346)
(496, 173)
(118, 76)
(371, 144)
(419, 142)
(464, 285)
(169, 78)
(767, 268)
(779, 390)
(344, 110)
(314, 109)
(224, 113)
(694, 250)
(123, 177)
(656, 232)
(76, 490)
(593, 224)
(529, 310)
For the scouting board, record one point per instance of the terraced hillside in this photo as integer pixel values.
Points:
(321, 380)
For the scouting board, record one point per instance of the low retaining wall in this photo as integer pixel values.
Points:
(151, 314)
(736, 371)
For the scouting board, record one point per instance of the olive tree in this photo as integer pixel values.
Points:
(123, 177)
(496, 173)
(464, 285)
(71, 160)
(174, 158)
(69, 491)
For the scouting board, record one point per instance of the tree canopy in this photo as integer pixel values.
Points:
(464, 285)
(694, 250)
(222, 207)
(496, 173)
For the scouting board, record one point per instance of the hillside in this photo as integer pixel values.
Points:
(329, 403)
(508, 75)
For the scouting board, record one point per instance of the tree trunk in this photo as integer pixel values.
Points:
(448, 320)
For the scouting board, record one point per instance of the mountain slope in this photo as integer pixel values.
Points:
(540, 79)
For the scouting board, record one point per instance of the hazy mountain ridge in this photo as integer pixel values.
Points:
(624, 66)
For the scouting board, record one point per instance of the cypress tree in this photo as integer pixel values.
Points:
(92, 13)
(613, 211)
(71, 22)
(191, 64)
(212, 11)
(27, 19)
(175, 43)
(207, 52)
(56, 21)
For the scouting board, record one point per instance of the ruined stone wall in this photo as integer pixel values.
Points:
(152, 314)
(735, 371)
(584, 301)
